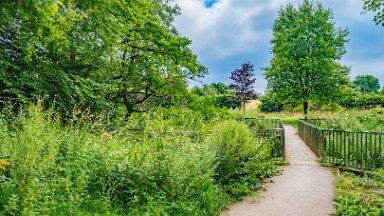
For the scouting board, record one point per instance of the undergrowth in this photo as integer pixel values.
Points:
(360, 195)
(156, 164)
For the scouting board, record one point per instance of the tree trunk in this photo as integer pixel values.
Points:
(305, 104)
(129, 106)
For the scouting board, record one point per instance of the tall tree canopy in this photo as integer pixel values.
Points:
(367, 83)
(306, 47)
(100, 53)
(376, 6)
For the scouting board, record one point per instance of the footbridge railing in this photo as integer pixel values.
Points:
(360, 150)
(271, 129)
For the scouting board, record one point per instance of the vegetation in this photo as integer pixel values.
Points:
(358, 122)
(360, 195)
(306, 46)
(117, 132)
(242, 160)
(157, 164)
(376, 6)
(366, 83)
(218, 92)
(270, 104)
(367, 100)
(243, 81)
(218, 88)
(104, 55)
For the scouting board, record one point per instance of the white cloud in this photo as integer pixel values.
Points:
(225, 29)
(374, 67)
(237, 30)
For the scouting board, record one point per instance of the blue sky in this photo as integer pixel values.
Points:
(209, 3)
(227, 33)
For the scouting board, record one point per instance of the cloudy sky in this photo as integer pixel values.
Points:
(227, 33)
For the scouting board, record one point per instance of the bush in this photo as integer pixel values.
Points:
(269, 105)
(363, 101)
(227, 101)
(208, 108)
(241, 159)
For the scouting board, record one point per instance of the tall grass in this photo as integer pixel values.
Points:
(81, 168)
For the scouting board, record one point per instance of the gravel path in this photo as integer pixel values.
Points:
(304, 188)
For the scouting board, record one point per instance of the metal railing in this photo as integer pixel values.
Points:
(352, 149)
(271, 129)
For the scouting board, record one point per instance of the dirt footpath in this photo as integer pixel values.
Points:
(304, 188)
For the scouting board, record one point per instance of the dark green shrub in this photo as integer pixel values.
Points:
(363, 101)
(269, 105)
(240, 158)
(227, 101)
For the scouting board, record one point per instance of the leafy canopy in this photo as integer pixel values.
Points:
(104, 54)
(306, 47)
(376, 6)
(367, 83)
(243, 80)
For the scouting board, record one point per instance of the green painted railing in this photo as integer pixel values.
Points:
(271, 129)
(352, 149)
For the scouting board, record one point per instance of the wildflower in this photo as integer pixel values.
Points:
(3, 164)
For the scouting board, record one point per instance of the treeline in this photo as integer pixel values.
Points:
(353, 99)
(220, 94)
(118, 56)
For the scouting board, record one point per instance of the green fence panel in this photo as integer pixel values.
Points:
(352, 149)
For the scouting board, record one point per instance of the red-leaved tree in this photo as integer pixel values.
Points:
(243, 83)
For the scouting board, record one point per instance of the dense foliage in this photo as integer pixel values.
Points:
(363, 101)
(360, 195)
(219, 93)
(101, 54)
(242, 160)
(306, 47)
(366, 83)
(164, 163)
(368, 121)
(269, 104)
(218, 88)
(243, 80)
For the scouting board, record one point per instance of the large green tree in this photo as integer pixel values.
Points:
(153, 56)
(100, 54)
(376, 6)
(306, 47)
(366, 83)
